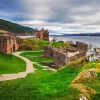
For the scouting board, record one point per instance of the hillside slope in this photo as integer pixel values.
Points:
(13, 27)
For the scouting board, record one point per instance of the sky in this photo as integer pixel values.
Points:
(58, 16)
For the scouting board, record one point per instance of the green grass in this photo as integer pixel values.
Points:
(47, 85)
(11, 64)
(94, 84)
(60, 44)
(41, 85)
(38, 53)
(37, 58)
(89, 65)
(37, 67)
(32, 44)
(42, 43)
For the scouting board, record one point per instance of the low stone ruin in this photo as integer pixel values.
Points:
(63, 56)
(93, 54)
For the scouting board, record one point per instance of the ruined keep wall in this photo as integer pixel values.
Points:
(12, 44)
(60, 58)
(48, 52)
(77, 56)
(8, 44)
(81, 46)
(71, 50)
(3, 44)
(15, 44)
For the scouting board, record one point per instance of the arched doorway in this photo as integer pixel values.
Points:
(13, 47)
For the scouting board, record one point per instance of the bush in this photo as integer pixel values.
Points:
(32, 44)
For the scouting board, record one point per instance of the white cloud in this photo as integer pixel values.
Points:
(62, 16)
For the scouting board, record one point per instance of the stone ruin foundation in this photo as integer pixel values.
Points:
(63, 56)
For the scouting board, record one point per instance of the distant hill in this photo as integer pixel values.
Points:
(83, 34)
(13, 27)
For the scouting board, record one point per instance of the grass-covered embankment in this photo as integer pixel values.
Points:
(41, 85)
(11, 64)
(89, 85)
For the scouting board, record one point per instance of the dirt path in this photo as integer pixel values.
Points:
(29, 69)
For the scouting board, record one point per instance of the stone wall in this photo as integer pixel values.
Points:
(81, 46)
(48, 52)
(61, 58)
(77, 56)
(8, 44)
(3, 44)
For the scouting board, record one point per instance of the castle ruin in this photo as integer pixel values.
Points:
(42, 34)
(63, 56)
(8, 44)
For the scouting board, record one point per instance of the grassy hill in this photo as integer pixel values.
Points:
(13, 27)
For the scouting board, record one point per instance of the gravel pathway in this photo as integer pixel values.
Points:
(29, 69)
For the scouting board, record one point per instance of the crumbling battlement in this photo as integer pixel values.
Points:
(8, 44)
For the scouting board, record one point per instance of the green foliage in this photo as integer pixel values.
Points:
(11, 64)
(13, 27)
(60, 44)
(32, 44)
(42, 43)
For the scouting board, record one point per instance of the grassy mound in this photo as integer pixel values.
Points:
(11, 64)
(32, 44)
(60, 44)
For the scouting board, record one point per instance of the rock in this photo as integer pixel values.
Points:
(82, 97)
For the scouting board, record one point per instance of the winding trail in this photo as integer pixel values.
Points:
(29, 69)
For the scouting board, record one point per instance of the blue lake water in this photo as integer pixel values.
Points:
(94, 40)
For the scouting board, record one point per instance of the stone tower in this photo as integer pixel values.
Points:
(42, 34)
